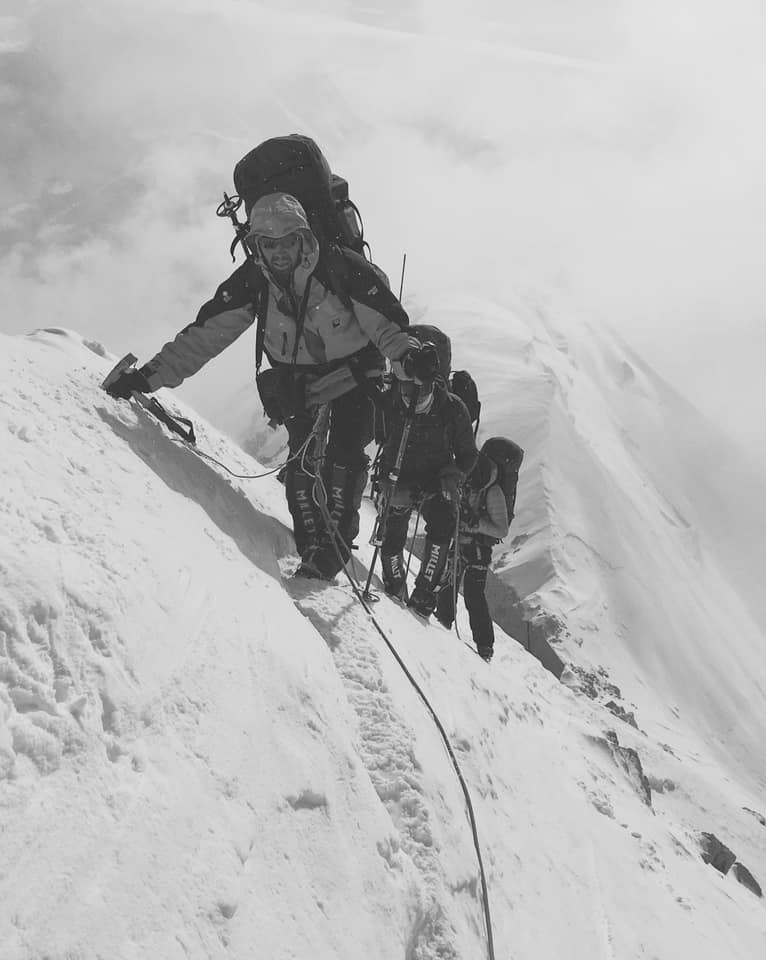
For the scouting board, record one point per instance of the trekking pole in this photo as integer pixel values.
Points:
(455, 562)
(401, 282)
(379, 530)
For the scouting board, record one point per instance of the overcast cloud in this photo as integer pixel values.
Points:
(612, 153)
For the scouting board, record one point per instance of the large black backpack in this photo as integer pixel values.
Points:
(295, 165)
(463, 385)
(508, 457)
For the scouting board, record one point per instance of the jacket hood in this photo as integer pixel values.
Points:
(276, 215)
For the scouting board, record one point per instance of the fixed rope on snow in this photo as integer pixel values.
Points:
(321, 501)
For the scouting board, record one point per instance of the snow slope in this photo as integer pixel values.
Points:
(640, 529)
(200, 758)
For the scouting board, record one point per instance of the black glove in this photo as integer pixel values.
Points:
(422, 364)
(128, 382)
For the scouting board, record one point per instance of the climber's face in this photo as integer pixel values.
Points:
(282, 254)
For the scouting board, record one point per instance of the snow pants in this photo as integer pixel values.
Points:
(440, 516)
(344, 470)
(473, 566)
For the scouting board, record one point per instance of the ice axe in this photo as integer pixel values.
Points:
(180, 425)
(127, 361)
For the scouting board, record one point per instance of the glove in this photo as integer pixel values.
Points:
(422, 364)
(450, 480)
(128, 382)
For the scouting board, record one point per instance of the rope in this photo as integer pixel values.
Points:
(455, 577)
(336, 538)
(244, 476)
(319, 433)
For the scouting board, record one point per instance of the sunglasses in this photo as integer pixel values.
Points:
(291, 241)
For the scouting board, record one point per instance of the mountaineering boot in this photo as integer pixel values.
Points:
(445, 607)
(421, 602)
(311, 566)
(323, 560)
(394, 582)
(485, 653)
(423, 599)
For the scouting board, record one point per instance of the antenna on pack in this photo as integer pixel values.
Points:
(401, 284)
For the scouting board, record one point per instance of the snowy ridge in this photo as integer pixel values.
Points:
(639, 529)
(201, 759)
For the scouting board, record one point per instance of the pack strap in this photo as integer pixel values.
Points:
(301, 319)
(261, 309)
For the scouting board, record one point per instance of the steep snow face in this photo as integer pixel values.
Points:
(639, 527)
(201, 759)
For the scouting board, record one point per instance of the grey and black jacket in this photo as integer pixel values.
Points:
(365, 321)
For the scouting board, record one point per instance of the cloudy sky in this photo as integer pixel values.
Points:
(610, 155)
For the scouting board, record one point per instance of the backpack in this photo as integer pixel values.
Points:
(295, 165)
(463, 385)
(508, 457)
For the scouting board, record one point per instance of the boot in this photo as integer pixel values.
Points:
(319, 562)
(445, 607)
(423, 599)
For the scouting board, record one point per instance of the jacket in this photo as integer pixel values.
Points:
(371, 319)
(440, 438)
(484, 512)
